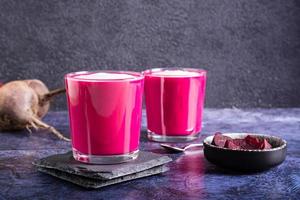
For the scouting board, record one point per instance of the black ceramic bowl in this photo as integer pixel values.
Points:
(246, 160)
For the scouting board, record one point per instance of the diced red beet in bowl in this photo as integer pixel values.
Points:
(249, 142)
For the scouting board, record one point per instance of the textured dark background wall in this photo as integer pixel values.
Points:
(251, 48)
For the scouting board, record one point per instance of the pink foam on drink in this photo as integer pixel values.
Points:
(105, 111)
(174, 101)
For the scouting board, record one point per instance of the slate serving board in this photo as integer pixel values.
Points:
(94, 176)
(96, 183)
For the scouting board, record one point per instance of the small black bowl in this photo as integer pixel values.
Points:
(246, 160)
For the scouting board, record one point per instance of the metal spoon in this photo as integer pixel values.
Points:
(180, 149)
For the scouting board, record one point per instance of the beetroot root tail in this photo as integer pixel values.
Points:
(41, 124)
(28, 128)
(32, 124)
(46, 97)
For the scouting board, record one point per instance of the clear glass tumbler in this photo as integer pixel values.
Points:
(174, 103)
(105, 110)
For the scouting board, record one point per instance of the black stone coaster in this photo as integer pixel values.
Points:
(94, 176)
(96, 183)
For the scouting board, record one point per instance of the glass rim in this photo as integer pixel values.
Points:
(72, 76)
(152, 71)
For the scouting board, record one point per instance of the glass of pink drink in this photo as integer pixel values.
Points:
(105, 110)
(174, 103)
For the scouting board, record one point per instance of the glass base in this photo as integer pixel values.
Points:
(165, 138)
(104, 160)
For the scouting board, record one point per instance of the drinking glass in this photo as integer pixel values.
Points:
(105, 115)
(174, 103)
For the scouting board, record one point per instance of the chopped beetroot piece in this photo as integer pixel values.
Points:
(218, 133)
(253, 141)
(249, 142)
(239, 142)
(242, 144)
(231, 145)
(220, 140)
(248, 146)
(265, 145)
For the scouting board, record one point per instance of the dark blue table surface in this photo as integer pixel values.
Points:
(190, 175)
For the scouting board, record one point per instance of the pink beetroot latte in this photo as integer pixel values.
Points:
(105, 115)
(174, 103)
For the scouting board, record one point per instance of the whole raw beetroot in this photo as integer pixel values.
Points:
(23, 103)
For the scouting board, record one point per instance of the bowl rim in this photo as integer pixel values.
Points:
(206, 142)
